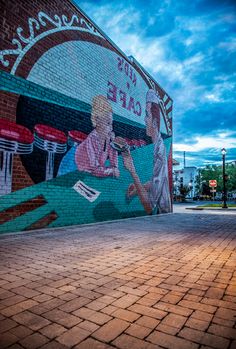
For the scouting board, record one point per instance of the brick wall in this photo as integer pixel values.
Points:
(64, 87)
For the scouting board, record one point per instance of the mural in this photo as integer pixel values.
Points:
(154, 194)
(91, 136)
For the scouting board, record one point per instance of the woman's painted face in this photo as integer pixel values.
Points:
(104, 124)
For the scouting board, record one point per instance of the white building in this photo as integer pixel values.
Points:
(186, 176)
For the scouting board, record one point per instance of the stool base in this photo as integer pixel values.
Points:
(6, 162)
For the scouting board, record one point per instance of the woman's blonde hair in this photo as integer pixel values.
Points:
(100, 106)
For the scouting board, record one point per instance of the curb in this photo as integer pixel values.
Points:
(211, 208)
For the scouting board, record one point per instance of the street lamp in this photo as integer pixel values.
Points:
(224, 205)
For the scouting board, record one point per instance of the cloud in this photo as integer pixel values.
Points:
(190, 49)
(204, 142)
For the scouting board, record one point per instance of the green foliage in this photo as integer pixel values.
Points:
(215, 172)
(184, 190)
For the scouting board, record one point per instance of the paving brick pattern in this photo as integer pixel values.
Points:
(154, 282)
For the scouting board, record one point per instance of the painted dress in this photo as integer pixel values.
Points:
(91, 156)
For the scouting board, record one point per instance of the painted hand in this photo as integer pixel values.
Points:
(128, 161)
(116, 172)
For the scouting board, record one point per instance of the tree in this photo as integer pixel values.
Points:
(215, 172)
(231, 172)
(184, 190)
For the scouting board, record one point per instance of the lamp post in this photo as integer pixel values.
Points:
(224, 204)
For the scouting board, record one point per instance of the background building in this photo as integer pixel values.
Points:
(185, 177)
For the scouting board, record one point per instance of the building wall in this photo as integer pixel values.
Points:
(62, 82)
(186, 177)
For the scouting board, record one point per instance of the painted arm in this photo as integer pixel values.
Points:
(113, 157)
(141, 189)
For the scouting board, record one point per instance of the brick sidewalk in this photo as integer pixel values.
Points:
(146, 283)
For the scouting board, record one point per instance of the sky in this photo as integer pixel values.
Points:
(189, 47)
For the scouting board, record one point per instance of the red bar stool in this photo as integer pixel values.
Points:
(14, 139)
(142, 142)
(136, 143)
(128, 141)
(52, 141)
(132, 144)
(76, 137)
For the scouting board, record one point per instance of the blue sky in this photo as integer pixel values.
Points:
(189, 47)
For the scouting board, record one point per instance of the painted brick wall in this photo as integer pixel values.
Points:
(85, 132)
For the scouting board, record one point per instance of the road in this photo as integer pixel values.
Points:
(188, 208)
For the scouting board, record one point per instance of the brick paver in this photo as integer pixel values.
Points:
(127, 342)
(53, 330)
(168, 341)
(92, 344)
(204, 338)
(138, 331)
(34, 341)
(125, 315)
(155, 282)
(21, 331)
(32, 321)
(73, 336)
(111, 330)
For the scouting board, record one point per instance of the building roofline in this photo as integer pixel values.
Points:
(74, 3)
(130, 58)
